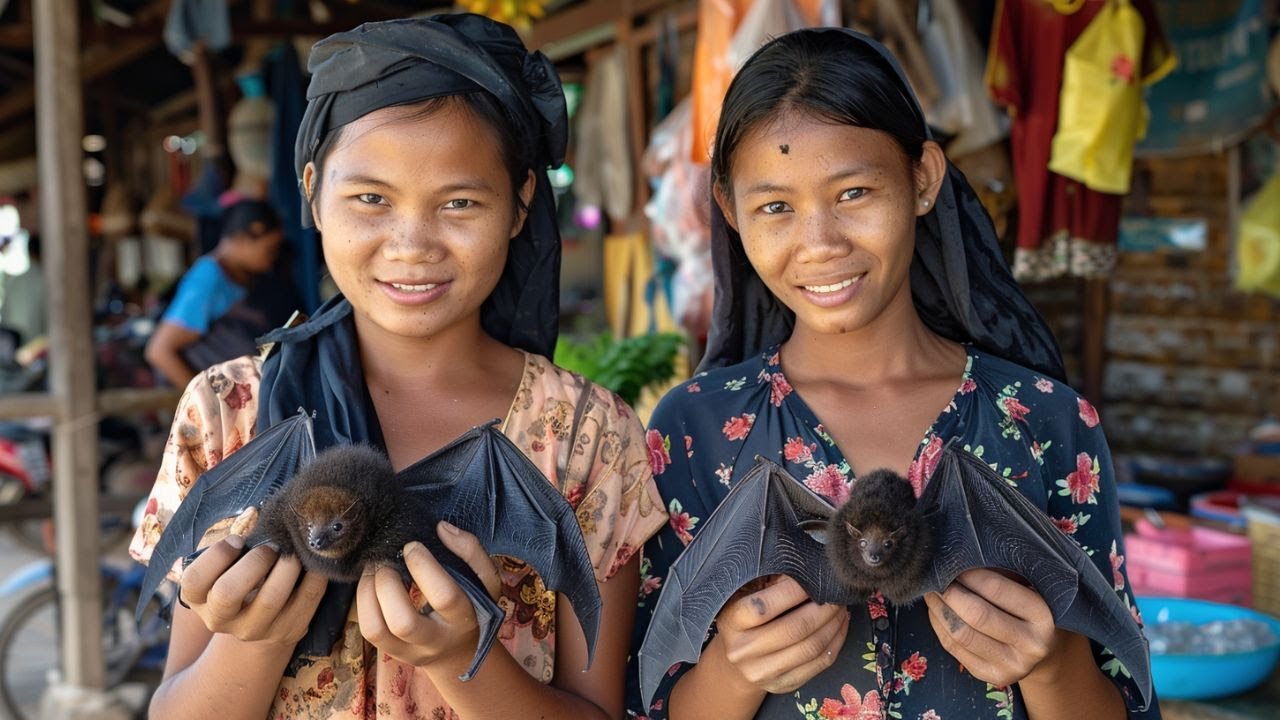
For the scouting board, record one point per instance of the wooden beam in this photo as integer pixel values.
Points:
(96, 62)
(596, 19)
(63, 215)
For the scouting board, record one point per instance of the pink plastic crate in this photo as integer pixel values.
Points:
(1196, 562)
(1190, 551)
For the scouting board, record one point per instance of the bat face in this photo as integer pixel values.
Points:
(876, 545)
(325, 532)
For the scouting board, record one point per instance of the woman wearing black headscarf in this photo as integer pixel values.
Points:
(863, 319)
(421, 159)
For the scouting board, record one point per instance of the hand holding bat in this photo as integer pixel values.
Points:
(446, 627)
(255, 596)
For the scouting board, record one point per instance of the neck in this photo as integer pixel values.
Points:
(236, 274)
(895, 346)
(413, 363)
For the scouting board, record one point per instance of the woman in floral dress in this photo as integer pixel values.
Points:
(865, 318)
(422, 158)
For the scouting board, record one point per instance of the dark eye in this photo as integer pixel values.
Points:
(853, 193)
(459, 204)
(888, 544)
(337, 527)
(774, 208)
(370, 198)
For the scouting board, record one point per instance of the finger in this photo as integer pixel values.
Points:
(200, 575)
(369, 608)
(271, 597)
(446, 599)
(1010, 595)
(467, 547)
(959, 638)
(993, 621)
(230, 591)
(306, 598)
(762, 606)
(790, 632)
(796, 663)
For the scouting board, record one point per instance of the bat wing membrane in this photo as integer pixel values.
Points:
(242, 480)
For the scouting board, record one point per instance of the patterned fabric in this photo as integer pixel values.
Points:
(602, 471)
(1038, 433)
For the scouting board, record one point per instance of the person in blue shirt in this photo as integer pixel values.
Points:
(864, 318)
(215, 314)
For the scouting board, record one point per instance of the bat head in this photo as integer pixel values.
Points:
(330, 522)
(875, 544)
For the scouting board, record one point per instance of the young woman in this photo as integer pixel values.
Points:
(864, 317)
(421, 157)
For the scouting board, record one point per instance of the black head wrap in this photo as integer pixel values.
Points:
(316, 366)
(960, 283)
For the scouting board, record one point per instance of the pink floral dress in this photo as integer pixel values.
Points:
(602, 469)
(1037, 433)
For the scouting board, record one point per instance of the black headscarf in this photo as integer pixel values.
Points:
(316, 366)
(961, 286)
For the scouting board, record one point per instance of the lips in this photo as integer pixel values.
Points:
(413, 287)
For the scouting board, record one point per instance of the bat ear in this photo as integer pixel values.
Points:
(898, 533)
(853, 531)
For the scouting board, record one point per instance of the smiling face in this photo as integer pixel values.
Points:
(416, 211)
(827, 217)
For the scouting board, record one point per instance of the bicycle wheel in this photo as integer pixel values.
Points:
(29, 651)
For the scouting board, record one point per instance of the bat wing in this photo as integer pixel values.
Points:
(755, 531)
(485, 485)
(981, 521)
(241, 481)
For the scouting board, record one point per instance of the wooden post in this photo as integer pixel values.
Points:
(63, 220)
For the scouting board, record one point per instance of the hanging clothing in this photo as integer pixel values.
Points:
(1064, 228)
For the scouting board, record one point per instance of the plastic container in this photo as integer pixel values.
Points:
(1189, 562)
(1199, 677)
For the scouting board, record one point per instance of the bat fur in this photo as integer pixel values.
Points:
(340, 513)
(877, 540)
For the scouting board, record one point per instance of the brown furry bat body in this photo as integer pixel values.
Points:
(877, 540)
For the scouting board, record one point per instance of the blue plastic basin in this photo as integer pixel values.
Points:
(1198, 677)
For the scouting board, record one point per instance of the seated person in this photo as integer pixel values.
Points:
(218, 309)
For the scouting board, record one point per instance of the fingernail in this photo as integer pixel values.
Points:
(447, 527)
(413, 547)
(235, 541)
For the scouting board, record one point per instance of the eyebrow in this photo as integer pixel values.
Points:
(478, 184)
(768, 188)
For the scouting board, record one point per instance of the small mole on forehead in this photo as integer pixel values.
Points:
(785, 149)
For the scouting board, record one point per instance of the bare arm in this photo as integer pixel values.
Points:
(218, 675)
(770, 641)
(164, 350)
(1003, 633)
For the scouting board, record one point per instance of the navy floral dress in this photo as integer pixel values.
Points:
(1034, 431)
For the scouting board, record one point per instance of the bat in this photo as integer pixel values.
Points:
(480, 482)
(877, 540)
(770, 523)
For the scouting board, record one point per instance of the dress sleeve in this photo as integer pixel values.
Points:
(618, 506)
(215, 416)
(1083, 502)
(666, 440)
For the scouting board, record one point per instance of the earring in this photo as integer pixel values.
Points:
(924, 204)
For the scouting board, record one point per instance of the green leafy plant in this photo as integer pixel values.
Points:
(625, 366)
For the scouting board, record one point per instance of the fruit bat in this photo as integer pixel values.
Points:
(345, 507)
(770, 523)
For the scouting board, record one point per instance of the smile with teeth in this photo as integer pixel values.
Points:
(413, 288)
(831, 288)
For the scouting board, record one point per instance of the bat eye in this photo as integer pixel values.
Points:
(862, 543)
(888, 544)
(337, 527)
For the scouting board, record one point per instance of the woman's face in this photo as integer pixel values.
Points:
(827, 215)
(416, 213)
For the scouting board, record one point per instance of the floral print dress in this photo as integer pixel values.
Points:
(1037, 433)
(582, 437)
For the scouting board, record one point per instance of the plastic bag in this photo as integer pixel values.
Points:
(1102, 114)
(1258, 245)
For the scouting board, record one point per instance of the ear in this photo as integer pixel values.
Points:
(725, 201)
(526, 197)
(930, 171)
(898, 533)
(309, 187)
(853, 531)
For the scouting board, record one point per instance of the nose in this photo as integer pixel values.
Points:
(319, 539)
(416, 239)
(823, 237)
